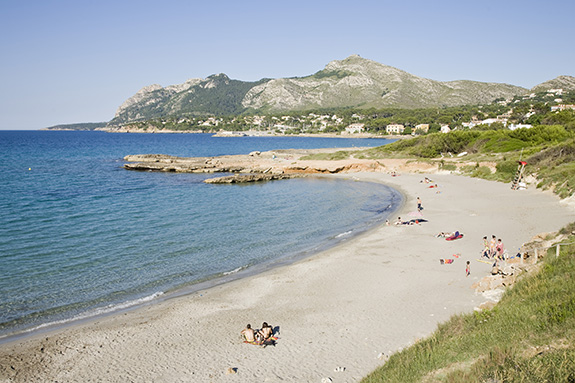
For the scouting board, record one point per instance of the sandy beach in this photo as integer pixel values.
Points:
(338, 312)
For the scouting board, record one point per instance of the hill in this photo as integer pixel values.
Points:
(359, 82)
(352, 82)
(78, 126)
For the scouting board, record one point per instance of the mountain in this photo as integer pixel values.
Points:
(217, 94)
(352, 82)
(561, 82)
(360, 82)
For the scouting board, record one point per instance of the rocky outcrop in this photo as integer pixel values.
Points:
(252, 167)
(278, 162)
(244, 178)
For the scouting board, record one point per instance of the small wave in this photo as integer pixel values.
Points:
(234, 270)
(345, 234)
(97, 312)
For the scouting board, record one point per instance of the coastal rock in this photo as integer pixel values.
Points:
(248, 178)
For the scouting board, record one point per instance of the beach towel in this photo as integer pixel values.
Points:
(445, 261)
(271, 341)
(455, 236)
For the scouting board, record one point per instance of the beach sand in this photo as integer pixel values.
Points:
(343, 308)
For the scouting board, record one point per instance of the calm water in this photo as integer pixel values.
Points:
(81, 236)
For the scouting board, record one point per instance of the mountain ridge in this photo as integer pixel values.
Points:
(352, 82)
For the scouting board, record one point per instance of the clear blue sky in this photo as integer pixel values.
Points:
(67, 61)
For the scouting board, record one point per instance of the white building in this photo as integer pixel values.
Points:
(519, 126)
(355, 128)
(394, 128)
(562, 107)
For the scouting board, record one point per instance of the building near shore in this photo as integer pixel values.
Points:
(355, 128)
(420, 129)
(395, 128)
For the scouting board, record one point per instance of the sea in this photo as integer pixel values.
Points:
(82, 237)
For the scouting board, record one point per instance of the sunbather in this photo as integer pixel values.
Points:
(266, 331)
(249, 333)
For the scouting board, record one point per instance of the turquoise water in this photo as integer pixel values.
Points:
(80, 236)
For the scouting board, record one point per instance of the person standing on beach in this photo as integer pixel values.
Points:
(468, 269)
(500, 248)
(492, 245)
(486, 252)
(419, 208)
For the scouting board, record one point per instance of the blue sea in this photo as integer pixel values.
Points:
(80, 236)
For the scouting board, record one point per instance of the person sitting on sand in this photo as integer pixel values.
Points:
(265, 332)
(399, 221)
(249, 333)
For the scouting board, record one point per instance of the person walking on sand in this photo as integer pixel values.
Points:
(419, 207)
(467, 269)
(486, 251)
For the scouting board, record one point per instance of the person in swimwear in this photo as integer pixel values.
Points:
(265, 332)
(249, 333)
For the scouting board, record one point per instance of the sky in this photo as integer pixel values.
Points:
(71, 61)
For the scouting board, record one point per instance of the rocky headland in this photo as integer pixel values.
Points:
(277, 164)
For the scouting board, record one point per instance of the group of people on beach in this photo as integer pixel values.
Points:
(264, 336)
(493, 249)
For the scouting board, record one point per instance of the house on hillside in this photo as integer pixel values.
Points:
(355, 128)
(562, 107)
(395, 129)
(519, 126)
(445, 129)
(420, 129)
(490, 121)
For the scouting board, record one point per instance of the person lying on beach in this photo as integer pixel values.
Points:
(455, 235)
(443, 235)
(249, 334)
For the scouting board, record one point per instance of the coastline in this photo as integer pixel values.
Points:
(344, 307)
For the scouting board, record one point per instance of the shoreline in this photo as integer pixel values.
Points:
(222, 278)
(345, 306)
